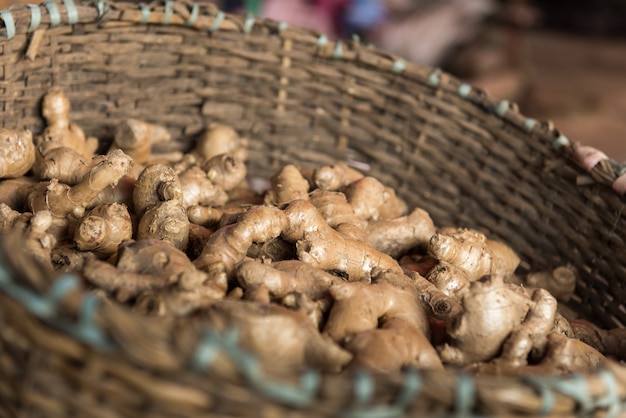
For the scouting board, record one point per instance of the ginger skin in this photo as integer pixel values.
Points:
(286, 186)
(335, 209)
(372, 200)
(136, 137)
(198, 189)
(17, 152)
(156, 183)
(359, 306)
(335, 177)
(104, 229)
(285, 277)
(14, 192)
(62, 200)
(225, 170)
(397, 236)
(229, 244)
(560, 282)
(281, 338)
(59, 130)
(141, 266)
(390, 348)
(497, 317)
(474, 253)
(63, 164)
(321, 246)
(391, 301)
(165, 221)
(610, 342)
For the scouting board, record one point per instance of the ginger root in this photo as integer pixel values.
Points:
(156, 183)
(398, 235)
(372, 200)
(104, 229)
(560, 282)
(490, 312)
(335, 177)
(136, 137)
(473, 252)
(166, 221)
(64, 164)
(285, 277)
(610, 342)
(229, 244)
(321, 246)
(281, 338)
(198, 189)
(17, 152)
(141, 266)
(61, 199)
(286, 186)
(59, 130)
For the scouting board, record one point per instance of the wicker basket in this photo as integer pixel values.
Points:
(447, 147)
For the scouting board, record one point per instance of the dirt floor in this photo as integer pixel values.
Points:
(579, 83)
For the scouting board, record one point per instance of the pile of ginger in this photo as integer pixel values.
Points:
(324, 268)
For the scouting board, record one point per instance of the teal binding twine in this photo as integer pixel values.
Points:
(193, 16)
(53, 11)
(145, 13)
(45, 307)
(167, 16)
(35, 18)
(219, 18)
(212, 344)
(9, 23)
(364, 393)
(72, 12)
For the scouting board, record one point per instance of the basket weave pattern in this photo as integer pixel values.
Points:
(445, 146)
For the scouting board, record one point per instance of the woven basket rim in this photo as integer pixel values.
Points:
(23, 19)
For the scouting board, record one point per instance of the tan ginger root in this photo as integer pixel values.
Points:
(393, 303)
(281, 339)
(59, 130)
(397, 236)
(63, 164)
(610, 342)
(61, 199)
(218, 139)
(8, 217)
(372, 200)
(493, 313)
(335, 209)
(390, 348)
(359, 306)
(473, 252)
(321, 246)
(17, 152)
(36, 240)
(229, 245)
(560, 282)
(14, 192)
(335, 177)
(141, 266)
(198, 189)
(136, 137)
(104, 229)
(225, 170)
(285, 277)
(287, 185)
(157, 183)
(564, 356)
(166, 221)
(209, 216)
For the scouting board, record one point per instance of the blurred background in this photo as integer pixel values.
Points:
(560, 60)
